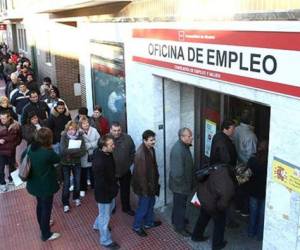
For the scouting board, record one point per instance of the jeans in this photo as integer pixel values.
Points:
(125, 191)
(76, 174)
(256, 219)
(84, 177)
(178, 212)
(5, 160)
(219, 226)
(43, 213)
(144, 214)
(102, 221)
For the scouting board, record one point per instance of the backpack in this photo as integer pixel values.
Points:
(25, 167)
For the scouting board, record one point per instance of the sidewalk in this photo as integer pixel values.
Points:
(19, 228)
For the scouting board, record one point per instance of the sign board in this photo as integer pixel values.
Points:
(286, 174)
(210, 130)
(258, 59)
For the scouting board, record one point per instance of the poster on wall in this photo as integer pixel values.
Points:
(210, 130)
(286, 174)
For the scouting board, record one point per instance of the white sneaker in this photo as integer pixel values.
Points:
(77, 203)
(71, 188)
(82, 194)
(88, 182)
(66, 209)
(54, 236)
(3, 188)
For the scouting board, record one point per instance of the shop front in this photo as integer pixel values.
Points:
(199, 74)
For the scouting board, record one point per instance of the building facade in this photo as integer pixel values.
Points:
(163, 65)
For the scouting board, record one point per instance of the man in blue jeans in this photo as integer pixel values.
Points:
(106, 189)
(145, 184)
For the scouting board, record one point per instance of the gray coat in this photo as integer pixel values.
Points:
(181, 169)
(123, 154)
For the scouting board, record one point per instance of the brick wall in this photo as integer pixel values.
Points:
(67, 71)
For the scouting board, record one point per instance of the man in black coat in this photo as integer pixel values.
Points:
(222, 148)
(57, 121)
(106, 188)
(35, 105)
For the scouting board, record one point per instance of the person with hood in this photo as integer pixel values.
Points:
(10, 138)
(5, 106)
(72, 148)
(35, 105)
(57, 121)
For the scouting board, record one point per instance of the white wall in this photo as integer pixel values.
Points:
(144, 111)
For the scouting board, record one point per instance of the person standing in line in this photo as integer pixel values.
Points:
(181, 178)
(222, 148)
(10, 138)
(91, 138)
(70, 161)
(5, 106)
(101, 123)
(59, 117)
(123, 155)
(42, 181)
(106, 189)
(30, 129)
(39, 107)
(145, 184)
(258, 164)
(245, 142)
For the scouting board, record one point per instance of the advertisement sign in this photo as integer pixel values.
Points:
(257, 59)
(286, 174)
(210, 130)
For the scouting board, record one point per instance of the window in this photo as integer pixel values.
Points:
(48, 51)
(22, 39)
(3, 5)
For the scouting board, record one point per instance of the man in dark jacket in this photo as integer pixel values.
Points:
(57, 121)
(215, 195)
(106, 189)
(145, 184)
(20, 99)
(180, 180)
(222, 148)
(35, 105)
(123, 155)
(10, 137)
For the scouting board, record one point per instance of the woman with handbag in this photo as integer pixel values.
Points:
(42, 181)
(91, 138)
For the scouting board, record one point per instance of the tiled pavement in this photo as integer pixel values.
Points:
(19, 229)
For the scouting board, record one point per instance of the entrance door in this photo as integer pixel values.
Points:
(260, 114)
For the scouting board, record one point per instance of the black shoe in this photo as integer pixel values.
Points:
(140, 232)
(155, 224)
(113, 246)
(130, 212)
(199, 239)
(220, 246)
(114, 210)
(183, 232)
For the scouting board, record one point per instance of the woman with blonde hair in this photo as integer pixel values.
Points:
(5, 106)
(72, 148)
(91, 137)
